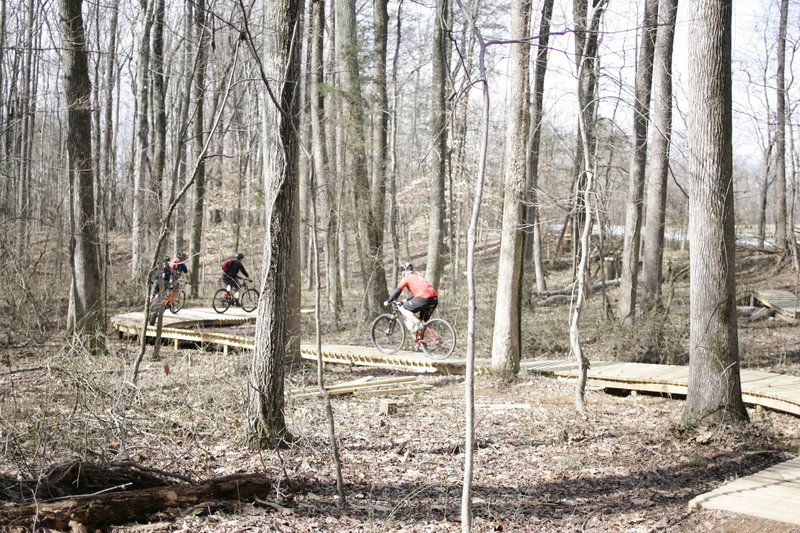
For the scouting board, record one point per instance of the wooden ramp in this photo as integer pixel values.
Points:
(775, 391)
(773, 493)
(784, 302)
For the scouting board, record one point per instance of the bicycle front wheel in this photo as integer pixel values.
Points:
(388, 333)
(222, 301)
(438, 338)
(177, 303)
(250, 300)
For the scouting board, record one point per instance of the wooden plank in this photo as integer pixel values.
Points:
(772, 493)
(783, 301)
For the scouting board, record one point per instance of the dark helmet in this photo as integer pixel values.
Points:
(181, 255)
(406, 267)
(239, 255)
(165, 259)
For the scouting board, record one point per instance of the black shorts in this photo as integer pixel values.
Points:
(229, 280)
(423, 306)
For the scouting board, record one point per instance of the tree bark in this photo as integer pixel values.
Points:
(533, 241)
(714, 388)
(319, 149)
(781, 240)
(141, 164)
(436, 206)
(659, 171)
(508, 300)
(86, 320)
(198, 138)
(278, 310)
(354, 163)
(628, 286)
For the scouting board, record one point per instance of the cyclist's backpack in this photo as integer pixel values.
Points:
(227, 263)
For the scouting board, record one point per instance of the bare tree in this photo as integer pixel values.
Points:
(533, 234)
(86, 319)
(508, 300)
(141, 167)
(321, 161)
(628, 283)
(202, 36)
(659, 170)
(781, 239)
(714, 392)
(353, 164)
(586, 43)
(278, 309)
(436, 209)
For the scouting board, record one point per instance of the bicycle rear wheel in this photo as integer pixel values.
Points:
(177, 303)
(438, 338)
(222, 301)
(249, 300)
(388, 333)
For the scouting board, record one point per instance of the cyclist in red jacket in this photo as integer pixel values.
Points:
(424, 297)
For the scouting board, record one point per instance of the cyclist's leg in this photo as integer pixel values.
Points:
(412, 307)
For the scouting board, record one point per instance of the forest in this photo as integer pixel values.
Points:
(584, 181)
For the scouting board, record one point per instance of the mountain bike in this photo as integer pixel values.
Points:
(176, 298)
(436, 336)
(225, 298)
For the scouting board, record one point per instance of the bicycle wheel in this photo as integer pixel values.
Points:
(249, 300)
(388, 333)
(438, 338)
(177, 303)
(222, 301)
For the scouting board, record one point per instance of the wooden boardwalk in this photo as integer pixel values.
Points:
(773, 493)
(784, 302)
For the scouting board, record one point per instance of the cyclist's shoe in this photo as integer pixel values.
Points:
(235, 302)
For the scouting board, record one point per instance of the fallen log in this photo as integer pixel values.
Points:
(111, 508)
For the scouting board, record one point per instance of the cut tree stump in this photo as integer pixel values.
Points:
(111, 508)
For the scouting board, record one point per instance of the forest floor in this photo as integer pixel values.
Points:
(628, 466)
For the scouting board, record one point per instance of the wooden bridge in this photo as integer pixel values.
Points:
(771, 494)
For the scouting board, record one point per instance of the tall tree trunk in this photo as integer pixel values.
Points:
(436, 208)
(180, 165)
(379, 136)
(714, 391)
(199, 86)
(628, 283)
(141, 164)
(657, 177)
(508, 302)
(533, 240)
(319, 149)
(781, 240)
(276, 324)
(27, 107)
(87, 309)
(159, 113)
(391, 176)
(354, 163)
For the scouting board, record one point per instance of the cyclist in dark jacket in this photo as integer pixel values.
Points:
(163, 272)
(230, 274)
